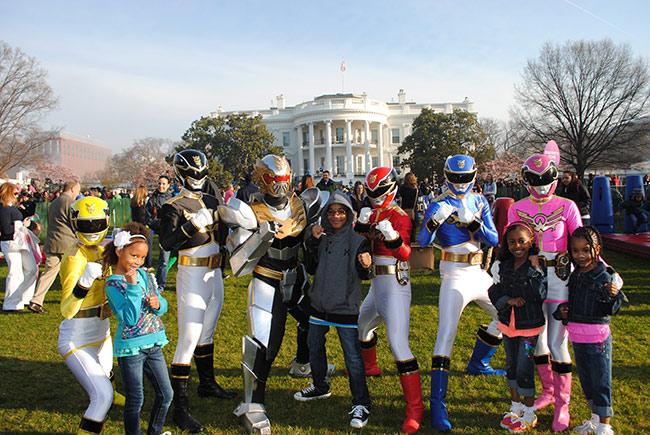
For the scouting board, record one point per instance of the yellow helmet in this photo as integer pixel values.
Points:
(90, 219)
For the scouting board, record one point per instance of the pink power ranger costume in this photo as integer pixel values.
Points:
(553, 219)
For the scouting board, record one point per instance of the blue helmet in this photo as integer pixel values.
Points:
(460, 173)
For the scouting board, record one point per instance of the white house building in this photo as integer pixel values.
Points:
(347, 134)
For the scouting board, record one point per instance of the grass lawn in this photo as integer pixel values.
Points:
(38, 394)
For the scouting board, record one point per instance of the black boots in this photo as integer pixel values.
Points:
(208, 387)
(181, 414)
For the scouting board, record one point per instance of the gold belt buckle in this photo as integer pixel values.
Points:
(214, 261)
(475, 258)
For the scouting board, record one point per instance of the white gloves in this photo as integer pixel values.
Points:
(364, 215)
(202, 218)
(387, 230)
(92, 271)
(443, 212)
(465, 215)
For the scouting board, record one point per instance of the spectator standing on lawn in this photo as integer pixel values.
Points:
(23, 270)
(326, 183)
(518, 294)
(154, 204)
(139, 214)
(339, 259)
(593, 299)
(60, 237)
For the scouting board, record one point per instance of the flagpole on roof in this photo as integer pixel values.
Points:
(342, 75)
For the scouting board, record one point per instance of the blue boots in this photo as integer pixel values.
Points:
(486, 345)
(439, 379)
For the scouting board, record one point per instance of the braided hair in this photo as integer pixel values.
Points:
(592, 236)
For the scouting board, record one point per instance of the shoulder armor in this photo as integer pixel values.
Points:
(313, 199)
(238, 213)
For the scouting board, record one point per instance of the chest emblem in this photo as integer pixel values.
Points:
(541, 222)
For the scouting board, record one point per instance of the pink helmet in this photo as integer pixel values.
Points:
(540, 175)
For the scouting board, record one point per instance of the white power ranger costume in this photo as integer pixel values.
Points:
(187, 224)
(460, 220)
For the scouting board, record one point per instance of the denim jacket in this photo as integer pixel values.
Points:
(526, 282)
(589, 302)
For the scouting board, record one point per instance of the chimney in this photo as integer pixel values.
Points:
(280, 99)
(401, 95)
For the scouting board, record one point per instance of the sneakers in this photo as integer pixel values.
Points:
(298, 370)
(588, 426)
(604, 429)
(508, 419)
(311, 393)
(522, 424)
(359, 416)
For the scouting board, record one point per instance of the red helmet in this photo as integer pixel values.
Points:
(381, 186)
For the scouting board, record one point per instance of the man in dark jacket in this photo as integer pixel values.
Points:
(244, 194)
(152, 213)
(326, 183)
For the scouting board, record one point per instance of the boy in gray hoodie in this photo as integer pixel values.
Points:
(339, 258)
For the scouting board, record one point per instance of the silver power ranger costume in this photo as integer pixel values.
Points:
(266, 238)
(187, 224)
(461, 220)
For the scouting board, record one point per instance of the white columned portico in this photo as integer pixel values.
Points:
(328, 145)
(301, 158)
(380, 143)
(367, 137)
(312, 157)
(349, 173)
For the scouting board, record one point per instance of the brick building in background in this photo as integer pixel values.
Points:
(82, 155)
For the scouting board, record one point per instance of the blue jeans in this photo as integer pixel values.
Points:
(520, 368)
(161, 271)
(349, 338)
(152, 363)
(594, 365)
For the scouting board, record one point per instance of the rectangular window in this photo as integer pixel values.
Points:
(394, 133)
(322, 136)
(305, 138)
(360, 164)
(305, 166)
(339, 134)
(375, 162)
(286, 138)
(395, 161)
(374, 136)
(340, 165)
(357, 135)
(322, 163)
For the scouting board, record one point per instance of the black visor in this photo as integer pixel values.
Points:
(89, 226)
(460, 177)
(380, 190)
(547, 177)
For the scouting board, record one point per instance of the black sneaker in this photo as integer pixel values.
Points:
(359, 416)
(36, 308)
(311, 393)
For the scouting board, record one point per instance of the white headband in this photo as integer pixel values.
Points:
(123, 238)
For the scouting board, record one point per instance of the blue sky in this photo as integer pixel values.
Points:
(124, 70)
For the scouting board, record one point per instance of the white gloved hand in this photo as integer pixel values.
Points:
(202, 218)
(92, 271)
(364, 215)
(465, 215)
(444, 211)
(387, 230)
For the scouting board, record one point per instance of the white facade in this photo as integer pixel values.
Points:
(347, 134)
